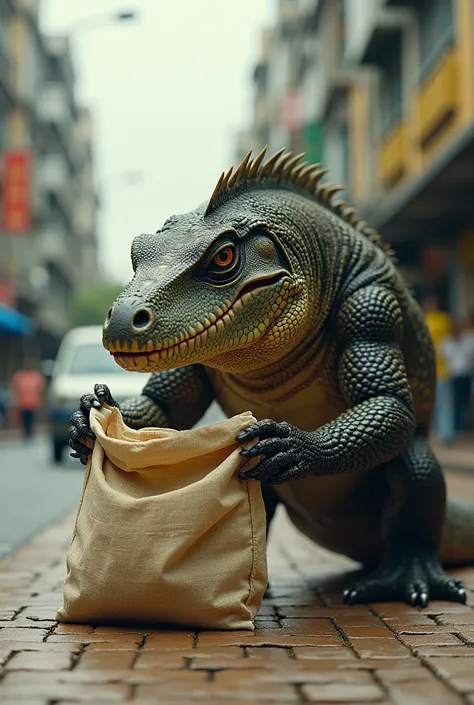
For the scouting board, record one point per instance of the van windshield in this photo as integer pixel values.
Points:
(92, 358)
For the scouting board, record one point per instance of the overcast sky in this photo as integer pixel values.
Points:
(168, 92)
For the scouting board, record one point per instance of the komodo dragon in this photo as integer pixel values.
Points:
(270, 297)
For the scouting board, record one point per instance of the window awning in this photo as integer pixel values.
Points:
(14, 323)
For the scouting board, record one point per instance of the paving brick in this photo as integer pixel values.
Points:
(72, 629)
(419, 619)
(458, 651)
(334, 652)
(403, 672)
(159, 659)
(103, 646)
(23, 634)
(272, 639)
(309, 627)
(106, 660)
(342, 693)
(305, 672)
(265, 654)
(421, 640)
(26, 685)
(380, 648)
(414, 630)
(39, 613)
(9, 646)
(91, 638)
(40, 661)
(20, 623)
(418, 692)
(169, 640)
(377, 631)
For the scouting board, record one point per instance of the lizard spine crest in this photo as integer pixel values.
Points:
(286, 171)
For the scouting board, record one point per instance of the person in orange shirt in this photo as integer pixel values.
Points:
(27, 388)
(440, 326)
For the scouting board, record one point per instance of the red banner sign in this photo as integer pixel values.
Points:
(16, 207)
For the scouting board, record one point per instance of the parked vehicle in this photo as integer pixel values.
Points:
(82, 362)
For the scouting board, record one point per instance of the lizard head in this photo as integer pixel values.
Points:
(209, 292)
(225, 285)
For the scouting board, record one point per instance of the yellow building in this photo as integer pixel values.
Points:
(383, 94)
(412, 135)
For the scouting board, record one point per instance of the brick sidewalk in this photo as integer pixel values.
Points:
(308, 647)
(459, 456)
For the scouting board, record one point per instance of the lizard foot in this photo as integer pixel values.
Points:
(407, 577)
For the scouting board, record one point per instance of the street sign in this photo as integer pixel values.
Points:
(16, 206)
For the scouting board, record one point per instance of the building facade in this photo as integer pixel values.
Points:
(382, 92)
(48, 243)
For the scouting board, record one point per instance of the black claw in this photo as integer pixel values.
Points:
(462, 596)
(423, 599)
(242, 436)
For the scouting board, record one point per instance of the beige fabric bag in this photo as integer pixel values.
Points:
(165, 530)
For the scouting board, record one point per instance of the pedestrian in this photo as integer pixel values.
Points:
(28, 386)
(440, 326)
(457, 351)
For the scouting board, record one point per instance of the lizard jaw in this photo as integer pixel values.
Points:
(156, 356)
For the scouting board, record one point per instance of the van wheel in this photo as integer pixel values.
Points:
(58, 447)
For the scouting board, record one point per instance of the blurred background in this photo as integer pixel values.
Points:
(113, 117)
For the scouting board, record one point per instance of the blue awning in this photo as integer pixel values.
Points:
(13, 322)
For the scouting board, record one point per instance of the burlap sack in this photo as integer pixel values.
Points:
(165, 530)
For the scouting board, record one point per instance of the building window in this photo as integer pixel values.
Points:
(392, 101)
(436, 24)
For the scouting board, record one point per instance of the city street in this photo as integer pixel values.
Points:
(33, 491)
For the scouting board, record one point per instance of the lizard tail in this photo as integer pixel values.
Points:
(457, 545)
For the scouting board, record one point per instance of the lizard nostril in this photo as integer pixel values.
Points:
(109, 316)
(141, 319)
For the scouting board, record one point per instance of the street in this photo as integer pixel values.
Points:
(33, 492)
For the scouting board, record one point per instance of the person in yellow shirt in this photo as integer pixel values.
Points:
(440, 326)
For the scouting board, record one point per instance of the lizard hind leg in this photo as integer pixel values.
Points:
(412, 524)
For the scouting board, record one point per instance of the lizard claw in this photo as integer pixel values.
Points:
(413, 578)
(284, 451)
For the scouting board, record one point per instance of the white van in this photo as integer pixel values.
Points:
(81, 363)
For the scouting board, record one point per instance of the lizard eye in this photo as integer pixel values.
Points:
(224, 257)
(223, 265)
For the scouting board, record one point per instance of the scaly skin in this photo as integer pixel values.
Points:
(272, 299)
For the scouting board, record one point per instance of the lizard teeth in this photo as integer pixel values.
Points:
(153, 353)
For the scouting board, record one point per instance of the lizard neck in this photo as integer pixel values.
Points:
(299, 366)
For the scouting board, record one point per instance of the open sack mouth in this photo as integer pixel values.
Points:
(199, 334)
